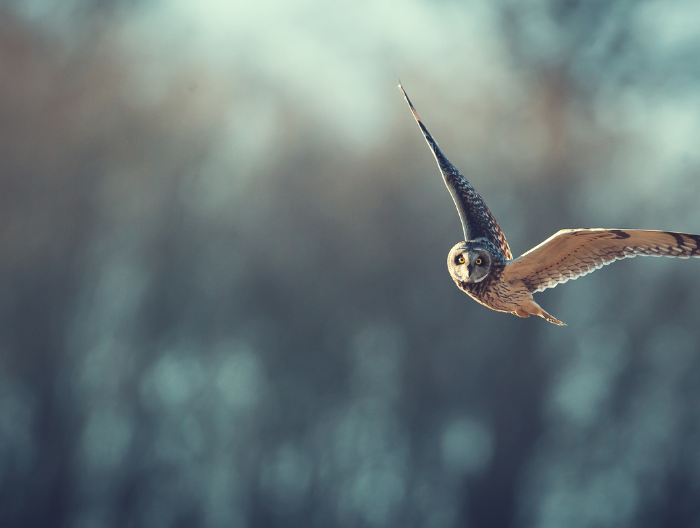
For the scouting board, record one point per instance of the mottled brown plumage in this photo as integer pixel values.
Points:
(483, 267)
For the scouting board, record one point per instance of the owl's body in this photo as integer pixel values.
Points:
(483, 267)
(495, 290)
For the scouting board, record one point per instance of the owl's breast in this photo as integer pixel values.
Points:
(494, 292)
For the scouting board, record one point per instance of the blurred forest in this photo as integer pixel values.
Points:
(223, 292)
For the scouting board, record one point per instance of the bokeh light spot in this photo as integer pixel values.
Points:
(466, 446)
(176, 379)
(239, 377)
(106, 438)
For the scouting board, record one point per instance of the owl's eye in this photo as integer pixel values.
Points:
(478, 261)
(460, 260)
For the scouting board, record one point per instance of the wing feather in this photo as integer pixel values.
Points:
(477, 220)
(573, 253)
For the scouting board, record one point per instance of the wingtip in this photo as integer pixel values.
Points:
(410, 105)
(443, 163)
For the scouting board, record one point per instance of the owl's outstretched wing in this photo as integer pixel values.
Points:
(477, 220)
(572, 253)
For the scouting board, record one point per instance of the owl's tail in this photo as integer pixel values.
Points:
(549, 318)
(532, 308)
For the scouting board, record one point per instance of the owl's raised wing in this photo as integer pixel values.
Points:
(572, 253)
(477, 220)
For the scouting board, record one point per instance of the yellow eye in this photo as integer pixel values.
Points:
(478, 261)
(460, 260)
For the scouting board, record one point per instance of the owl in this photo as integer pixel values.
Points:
(483, 267)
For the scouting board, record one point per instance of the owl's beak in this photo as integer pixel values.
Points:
(470, 269)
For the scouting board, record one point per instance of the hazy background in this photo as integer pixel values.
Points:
(223, 292)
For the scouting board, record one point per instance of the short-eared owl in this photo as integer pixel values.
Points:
(483, 267)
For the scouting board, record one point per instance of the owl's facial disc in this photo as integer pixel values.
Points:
(478, 265)
(468, 264)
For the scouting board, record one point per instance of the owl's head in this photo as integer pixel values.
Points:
(469, 262)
